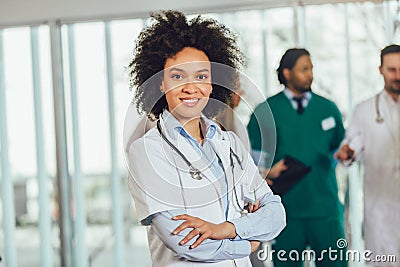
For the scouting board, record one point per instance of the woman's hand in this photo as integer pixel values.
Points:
(253, 207)
(203, 230)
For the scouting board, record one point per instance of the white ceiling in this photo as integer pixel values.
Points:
(33, 12)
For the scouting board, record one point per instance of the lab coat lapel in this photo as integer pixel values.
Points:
(385, 106)
(222, 148)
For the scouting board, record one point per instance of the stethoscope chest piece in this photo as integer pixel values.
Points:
(195, 173)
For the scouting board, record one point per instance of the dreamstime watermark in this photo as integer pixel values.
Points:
(340, 253)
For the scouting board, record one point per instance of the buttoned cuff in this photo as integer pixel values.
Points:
(243, 227)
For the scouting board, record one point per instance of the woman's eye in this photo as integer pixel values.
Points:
(202, 77)
(176, 76)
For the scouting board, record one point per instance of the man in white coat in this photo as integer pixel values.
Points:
(374, 137)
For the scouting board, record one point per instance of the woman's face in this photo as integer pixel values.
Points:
(187, 83)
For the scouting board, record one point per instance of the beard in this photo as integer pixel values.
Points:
(302, 90)
(394, 90)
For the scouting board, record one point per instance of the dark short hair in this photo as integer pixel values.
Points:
(388, 50)
(288, 61)
(169, 33)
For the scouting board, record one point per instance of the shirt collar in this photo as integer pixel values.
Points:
(174, 127)
(290, 95)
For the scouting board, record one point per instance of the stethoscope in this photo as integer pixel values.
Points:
(379, 118)
(195, 173)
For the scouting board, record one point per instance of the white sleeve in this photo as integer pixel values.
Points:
(354, 134)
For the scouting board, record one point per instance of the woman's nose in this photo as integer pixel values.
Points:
(190, 88)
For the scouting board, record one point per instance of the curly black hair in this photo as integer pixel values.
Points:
(169, 33)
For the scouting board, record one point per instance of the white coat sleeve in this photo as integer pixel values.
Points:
(354, 135)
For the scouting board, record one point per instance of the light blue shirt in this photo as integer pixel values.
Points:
(304, 101)
(253, 226)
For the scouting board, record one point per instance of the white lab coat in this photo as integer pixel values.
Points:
(159, 181)
(378, 145)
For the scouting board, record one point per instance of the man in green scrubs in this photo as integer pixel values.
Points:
(309, 128)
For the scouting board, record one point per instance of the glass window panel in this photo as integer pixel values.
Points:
(47, 100)
(21, 135)
(326, 42)
(280, 29)
(367, 38)
(395, 11)
(93, 116)
(91, 87)
(94, 134)
(123, 36)
(250, 26)
(19, 95)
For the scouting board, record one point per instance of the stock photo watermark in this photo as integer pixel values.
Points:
(333, 254)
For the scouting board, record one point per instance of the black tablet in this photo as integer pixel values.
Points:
(295, 171)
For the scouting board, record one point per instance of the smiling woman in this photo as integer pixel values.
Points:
(184, 172)
(187, 86)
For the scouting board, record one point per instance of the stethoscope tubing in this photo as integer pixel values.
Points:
(195, 173)
(379, 118)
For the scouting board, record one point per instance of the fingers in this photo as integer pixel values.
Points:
(256, 206)
(344, 153)
(198, 241)
(189, 223)
(250, 207)
(199, 227)
(182, 227)
(253, 207)
(276, 170)
(192, 234)
(195, 232)
(181, 217)
(284, 166)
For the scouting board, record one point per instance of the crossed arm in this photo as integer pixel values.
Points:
(198, 240)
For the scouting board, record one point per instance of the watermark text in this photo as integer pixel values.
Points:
(339, 253)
